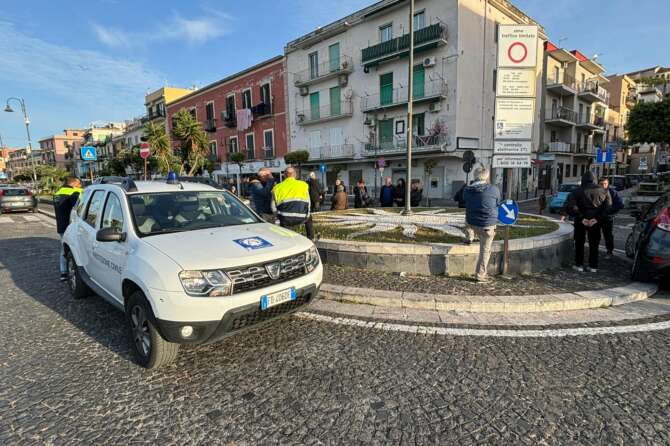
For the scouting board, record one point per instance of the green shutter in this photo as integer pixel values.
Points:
(334, 57)
(386, 89)
(386, 133)
(335, 102)
(314, 106)
(419, 82)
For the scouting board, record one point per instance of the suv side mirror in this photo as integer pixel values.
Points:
(110, 235)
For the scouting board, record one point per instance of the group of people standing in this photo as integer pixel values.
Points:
(391, 195)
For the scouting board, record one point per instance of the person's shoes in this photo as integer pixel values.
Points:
(63, 277)
(591, 270)
(610, 254)
(578, 268)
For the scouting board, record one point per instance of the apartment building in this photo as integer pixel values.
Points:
(19, 160)
(575, 104)
(129, 138)
(348, 91)
(653, 84)
(623, 97)
(244, 112)
(57, 149)
(98, 136)
(156, 101)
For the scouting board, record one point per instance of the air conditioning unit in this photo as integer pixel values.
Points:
(343, 80)
(301, 117)
(435, 107)
(429, 62)
(304, 91)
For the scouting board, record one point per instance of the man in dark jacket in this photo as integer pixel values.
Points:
(315, 193)
(64, 200)
(260, 194)
(481, 216)
(607, 225)
(458, 198)
(589, 206)
(387, 194)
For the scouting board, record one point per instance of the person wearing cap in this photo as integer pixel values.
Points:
(64, 200)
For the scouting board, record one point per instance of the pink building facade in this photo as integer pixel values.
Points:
(58, 150)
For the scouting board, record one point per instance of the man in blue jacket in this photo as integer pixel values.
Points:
(607, 224)
(260, 194)
(481, 216)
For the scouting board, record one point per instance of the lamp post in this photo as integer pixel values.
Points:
(9, 109)
(410, 98)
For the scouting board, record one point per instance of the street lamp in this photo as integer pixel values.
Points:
(410, 125)
(9, 109)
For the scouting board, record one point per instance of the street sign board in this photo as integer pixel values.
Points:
(605, 156)
(513, 82)
(663, 157)
(512, 147)
(514, 118)
(517, 46)
(322, 168)
(508, 212)
(145, 151)
(511, 161)
(643, 164)
(89, 153)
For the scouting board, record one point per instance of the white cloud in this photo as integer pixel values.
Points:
(190, 30)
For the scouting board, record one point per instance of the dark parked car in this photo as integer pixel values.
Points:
(649, 242)
(17, 199)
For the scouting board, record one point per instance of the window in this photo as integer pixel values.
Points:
(574, 170)
(314, 107)
(269, 143)
(420, 20)
(334, 57)
(251, 152)
(94, 207)
(232, 145)
(265, 94)
(209, 110)
(193, 112)
(313, 59)
(112, 217)
(212, 149)
(335, 102)
(386, 88)
(246, 98)
(386, 32)
(557, 75)
(230, 106)
(554, 136)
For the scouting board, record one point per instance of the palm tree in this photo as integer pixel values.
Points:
(194, 140)
(158, 139)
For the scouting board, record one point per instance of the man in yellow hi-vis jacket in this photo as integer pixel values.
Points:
(290, 201)
(64, 200)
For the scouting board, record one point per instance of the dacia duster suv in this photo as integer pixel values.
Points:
(187, 263)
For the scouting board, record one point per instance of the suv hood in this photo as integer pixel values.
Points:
(221, 248)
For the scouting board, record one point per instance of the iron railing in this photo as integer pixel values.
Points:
(398, 96)
(592, 88)
(399, 144)
(560, 147)
(333, 110)
(399, 45)
(331, 152)
(562, 78)
(563, 113)
(341, 65)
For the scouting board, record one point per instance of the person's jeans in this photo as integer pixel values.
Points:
(62, 261)
(593, 234)
(486, 235)
(607, 226)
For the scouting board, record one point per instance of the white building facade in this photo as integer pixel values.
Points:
(348, 91)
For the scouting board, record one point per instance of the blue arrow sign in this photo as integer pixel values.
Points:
(508, 212)
(605, 156)
(89, 153)
(322, 167)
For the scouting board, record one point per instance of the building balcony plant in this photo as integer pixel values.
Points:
(335, 110)
(324, 70)
(424, 38)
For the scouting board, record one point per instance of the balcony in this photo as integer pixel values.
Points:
(398, 145)
(210, 125)
(595, 123)
(229, 119)
(560, 147)
(587, 149)
(432, 91)
(590, 91)
(424, 39)
(343, 151)
(261, 110)
(323, 71)
(326, 113)
(562, 84)
(268, 153)
(561, 117)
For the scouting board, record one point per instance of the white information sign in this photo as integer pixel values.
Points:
(514, 118)
(517, 46)
(518, 83)
(512, 147)
(511, 161)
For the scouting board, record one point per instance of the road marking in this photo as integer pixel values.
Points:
(6, 220)
(445, 331)
(31, 218)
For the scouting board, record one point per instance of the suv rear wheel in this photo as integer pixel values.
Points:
(151, 349)
(78, 288)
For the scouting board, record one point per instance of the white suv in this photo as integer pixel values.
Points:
(186, 262)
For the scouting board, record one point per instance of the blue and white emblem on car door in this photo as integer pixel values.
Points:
(252, 243)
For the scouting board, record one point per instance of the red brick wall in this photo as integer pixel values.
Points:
(275, 74)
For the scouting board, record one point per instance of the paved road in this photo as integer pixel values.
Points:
(67, 377)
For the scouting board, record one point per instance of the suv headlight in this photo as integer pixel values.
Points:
(312, 259)
(206, 283)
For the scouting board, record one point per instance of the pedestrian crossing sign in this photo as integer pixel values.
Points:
(89, 153)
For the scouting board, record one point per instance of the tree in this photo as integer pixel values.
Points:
(238, 158)
(194, 141)
(161, 149)
(649, 122)
(297, 157)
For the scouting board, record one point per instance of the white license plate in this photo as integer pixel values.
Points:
(280, 297)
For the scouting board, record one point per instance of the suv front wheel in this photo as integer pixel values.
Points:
(151, 349)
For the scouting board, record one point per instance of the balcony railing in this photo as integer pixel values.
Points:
(562, 114)
(268, 153)
(586, 149)
(329, 112)
(560, 147)
(398, 144)
(434, 89)
(585, 120)
(324, 70)
(561, 81)
(590, 90)
(210, 125)
(331, 152)
(229, 119)
(424, 38)
(261, 109)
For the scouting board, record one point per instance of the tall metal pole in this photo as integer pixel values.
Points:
(27, 122)
(410, 98)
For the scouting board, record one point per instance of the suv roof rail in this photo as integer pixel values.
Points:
(129, 185)
(111, 179)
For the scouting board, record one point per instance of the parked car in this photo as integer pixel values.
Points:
(187, 263)
(14, 199)
(649, 241)
(558, 201)
(618, 182)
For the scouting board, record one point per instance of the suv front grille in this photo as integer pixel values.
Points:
(257, 276)
(259, 315)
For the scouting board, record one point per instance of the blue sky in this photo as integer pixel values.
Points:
(78, 61)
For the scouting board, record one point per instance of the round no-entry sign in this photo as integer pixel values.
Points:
(145, 151)
(517, 52)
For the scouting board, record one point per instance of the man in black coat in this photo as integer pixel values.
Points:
(315, 192)
(589, 206)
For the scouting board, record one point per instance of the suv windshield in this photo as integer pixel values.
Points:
(568, 187)
(159, 213)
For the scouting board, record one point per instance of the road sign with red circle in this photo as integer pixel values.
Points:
(517, 46)
(145, 150)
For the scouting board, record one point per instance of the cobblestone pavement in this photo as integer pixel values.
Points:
(67, 377)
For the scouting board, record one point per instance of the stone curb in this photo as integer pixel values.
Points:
(581, 300)
(48, 214)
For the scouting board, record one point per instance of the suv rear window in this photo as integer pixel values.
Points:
(15, 192)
